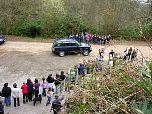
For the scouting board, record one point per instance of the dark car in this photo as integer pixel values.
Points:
(2, 39)
(66, 45)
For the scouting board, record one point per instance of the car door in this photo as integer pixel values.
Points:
(60, 47)
(68, 47)
(74, 47)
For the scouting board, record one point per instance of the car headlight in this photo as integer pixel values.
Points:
(1, 39)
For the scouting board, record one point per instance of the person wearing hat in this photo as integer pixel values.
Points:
(1, 107)
(16, 94)
(56, 104)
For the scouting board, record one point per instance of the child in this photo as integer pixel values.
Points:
(44, 86)
(1, 107)
(49, 96)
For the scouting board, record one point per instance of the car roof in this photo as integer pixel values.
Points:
(65, 40)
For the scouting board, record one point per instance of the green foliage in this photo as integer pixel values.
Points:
(31, 28)
(79, 105)
(145, 81)
(60, 18)
(130, 33)
(142, 107)
(49, 26)
(147, 30)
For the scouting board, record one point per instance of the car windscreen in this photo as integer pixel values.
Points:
(55, 44)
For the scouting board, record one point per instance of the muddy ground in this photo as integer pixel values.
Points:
(22, 60)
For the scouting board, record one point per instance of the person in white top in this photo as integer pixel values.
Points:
(16, 94)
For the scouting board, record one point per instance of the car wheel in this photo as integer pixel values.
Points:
(85, 52)
(61, 53)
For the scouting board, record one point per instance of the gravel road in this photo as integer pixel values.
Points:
(22, 60)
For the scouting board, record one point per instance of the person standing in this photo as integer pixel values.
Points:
(36, 87)
(1, 107)
(6, 92)
(50, 79)
(49, 96)
(111, 54)
(24, 88)
(101, 52)
(57, 84)
(50, 82)
(30, 89)
(129, 53)
(16, 94)
(44, 86)
(81, 69)
(104, 40)
(62, 76)
(125, 54)
(62, 79)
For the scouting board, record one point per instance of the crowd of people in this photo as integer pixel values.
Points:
(51, 88)
(89, 38)
(130, 54)
(30, 90)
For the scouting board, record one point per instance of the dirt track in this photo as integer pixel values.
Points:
(22, 60)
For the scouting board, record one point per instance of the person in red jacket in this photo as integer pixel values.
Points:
(24, 88)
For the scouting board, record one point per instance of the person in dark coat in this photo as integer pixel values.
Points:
(62, 76)
(81, 69)
(57, 81)
(6, 92)
(56, 104)
(30, 89)
(50, 79)
(112, 53)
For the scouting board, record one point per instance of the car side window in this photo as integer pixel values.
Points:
(74, 44)
(62, 44)
(67, 44)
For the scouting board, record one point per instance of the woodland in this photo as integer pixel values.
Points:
(61, 18)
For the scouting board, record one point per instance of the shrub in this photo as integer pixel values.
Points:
(147, 30)
(30, 28)
(130, 33)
